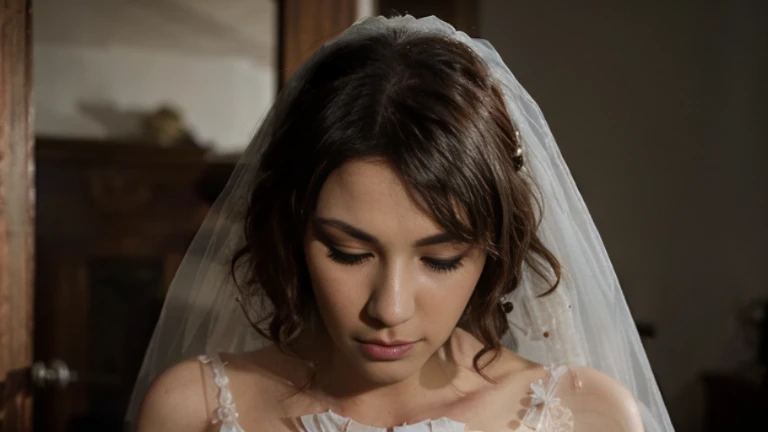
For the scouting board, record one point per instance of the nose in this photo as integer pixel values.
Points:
(392, 300)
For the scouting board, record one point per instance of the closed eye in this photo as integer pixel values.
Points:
(435, 264)
(347, 258)
(443, 265)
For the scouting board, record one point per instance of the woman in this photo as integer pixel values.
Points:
(402, 216)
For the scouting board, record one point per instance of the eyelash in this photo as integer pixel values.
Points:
(345, 258)
(440, 266)
(444, 266)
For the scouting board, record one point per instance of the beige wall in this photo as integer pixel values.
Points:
(100, 66)
(658, 109)
(87, 92)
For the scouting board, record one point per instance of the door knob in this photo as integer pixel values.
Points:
(55, 374)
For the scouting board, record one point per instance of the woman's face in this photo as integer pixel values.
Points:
(390, 284)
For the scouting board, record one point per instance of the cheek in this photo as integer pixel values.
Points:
(447, 297)
(339, 290)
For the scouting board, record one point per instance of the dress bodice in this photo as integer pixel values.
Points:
(545, 413)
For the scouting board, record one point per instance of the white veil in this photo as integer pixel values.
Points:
(585, 321)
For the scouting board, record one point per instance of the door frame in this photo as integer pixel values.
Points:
(16, 215)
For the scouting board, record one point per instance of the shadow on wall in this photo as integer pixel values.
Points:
(91, 119)
(116, 122)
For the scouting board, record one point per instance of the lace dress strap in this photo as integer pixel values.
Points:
(546, 413)
(225, 413)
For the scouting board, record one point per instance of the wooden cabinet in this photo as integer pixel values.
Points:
(113, 222)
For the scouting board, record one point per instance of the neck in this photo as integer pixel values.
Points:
(345, 390)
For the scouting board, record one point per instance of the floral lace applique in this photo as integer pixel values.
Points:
(225, 414)
(546, 413)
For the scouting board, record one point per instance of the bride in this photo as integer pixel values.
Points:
(401, 248)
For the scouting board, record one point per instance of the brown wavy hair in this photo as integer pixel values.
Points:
(427, 105)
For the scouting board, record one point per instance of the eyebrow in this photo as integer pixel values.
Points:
(361, 235)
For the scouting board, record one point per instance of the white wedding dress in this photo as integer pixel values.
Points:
(545, 412)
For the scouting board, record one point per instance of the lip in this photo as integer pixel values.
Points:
(386, 350)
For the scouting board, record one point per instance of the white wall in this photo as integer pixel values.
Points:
(95, 73)
(658, 108)
(95, 92)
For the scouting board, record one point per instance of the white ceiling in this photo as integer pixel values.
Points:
(211, 27)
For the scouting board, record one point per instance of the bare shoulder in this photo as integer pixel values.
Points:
(600, 402)
(183, 397)
(596, 401)
(268, 382)
(176, 401)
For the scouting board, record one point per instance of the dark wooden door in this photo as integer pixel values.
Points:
(304, 25)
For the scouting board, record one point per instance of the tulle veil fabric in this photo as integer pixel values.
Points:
(585, 322)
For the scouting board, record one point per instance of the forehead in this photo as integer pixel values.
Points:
(371, 196)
